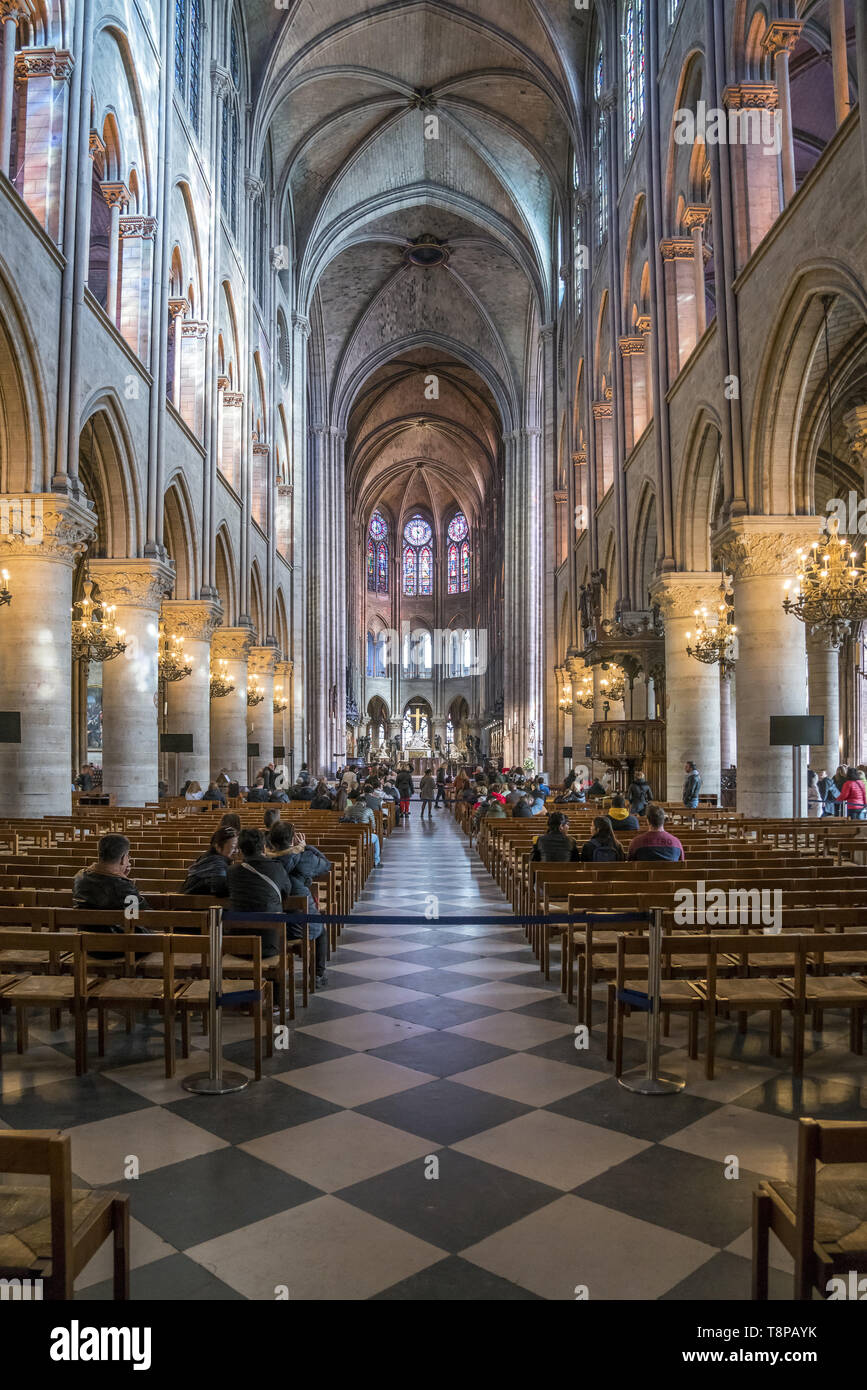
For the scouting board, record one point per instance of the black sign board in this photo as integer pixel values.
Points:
(10, 726)
(176, 743)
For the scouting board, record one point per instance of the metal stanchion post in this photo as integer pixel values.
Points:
(652, 1083)
(215, 1081)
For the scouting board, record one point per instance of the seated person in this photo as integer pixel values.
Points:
(259, 884)
(537, 801)
(303, 789)
(602, 847)
(271, 818)
(357, 813)
(105, 886)
(524, 807)
(232, 819)
(557, 845)
(301, 861)
(214, 793)
(620, 815)
(573, 795)
(193, 791)
(322, 799)
(207, 874)
(597, 789)
(656, 843)
(372, 794)
(259, 792)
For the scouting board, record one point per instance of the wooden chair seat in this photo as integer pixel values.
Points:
(752, 994)
(841, 1208)
(48, 989)
(124, 990)
(683, 991)
(25, 1224)
(27, 960)
(843, 959)
(839, 989)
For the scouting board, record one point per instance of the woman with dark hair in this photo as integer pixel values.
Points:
(207, 876)
(602, 847)
(557, 845)
(322, 798)
(230, 820)
(854, 793)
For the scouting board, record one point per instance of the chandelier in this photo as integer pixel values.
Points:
(612, 682)
(584, 695)
(714, 645)
(220, 686)
(255, 693)
(832, 588)
(95, 635)
(5, 596)
(174, 664)
(565, 701)
(279, 703)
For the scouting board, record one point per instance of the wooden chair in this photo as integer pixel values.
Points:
(194, 997)
(820, 1219)
(53, 1233)
(129, 992)
(54, 991)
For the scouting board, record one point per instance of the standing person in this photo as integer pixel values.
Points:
(815, 803)
(638, 794)
(853, 794)
(829, 792)
(441, 787)
(691, 785)
(406, 787)
(427, 791)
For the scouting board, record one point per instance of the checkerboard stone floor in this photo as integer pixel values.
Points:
(432, 1132)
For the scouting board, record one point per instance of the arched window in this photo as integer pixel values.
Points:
(370, 654)
(231, 136)
(188, 55)
(417, 558)
(600, 159)
(458, 555)
(673, 7)
(416, 725)
(633, 60)
(377, 554)
(579, 255)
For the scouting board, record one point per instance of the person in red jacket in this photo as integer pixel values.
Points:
(854, 793)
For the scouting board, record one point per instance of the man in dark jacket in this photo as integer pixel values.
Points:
(523, 808)
(259, 884)
(556, 846)
(639, 794)
(207, 876)
(691, 785)
(259, 792)
(105, 886)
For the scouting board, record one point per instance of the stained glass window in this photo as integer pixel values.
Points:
(633, 58)
(378, 526)
(673, 7)
(234, 171)
(195, 59)
(235, 57)
(410, 566)
(465, 567)
(425, 584)
(181, 43)
(224, 162)
(600, 155)
(382, 568)
(458, 527)
(370, 654)
(454, 584)
(377, 554)
(371, 567)
(417, 557)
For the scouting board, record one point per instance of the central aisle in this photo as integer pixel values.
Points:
(431, 1131)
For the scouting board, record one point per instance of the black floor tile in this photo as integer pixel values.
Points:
(263, 1108)
(193, 1201)
(726, 1277)
(443, 1111)
(440, 1054)
(435, 981)
(469, 1200)
(65, 1104)
(821, 1098)
(304, 1050)
(455, 1280)
(643, 1117)
(176, 1279)
(439, 1012)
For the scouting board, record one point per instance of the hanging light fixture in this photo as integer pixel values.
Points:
(5, 596)
(612, 682)
(279, 703)
(174, 664)
(584, 695)
(831, 587)
(95, 635)
(255, 693)
(714, 644)
(566, 699)
(220, 685)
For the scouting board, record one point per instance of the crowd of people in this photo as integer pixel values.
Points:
(844, 794)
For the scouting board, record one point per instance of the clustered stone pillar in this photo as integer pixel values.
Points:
(36, 669)
(229, 712)
(130, 739)
(761, 553)
(10, 12)
(823, 673)
(188, 701)
(283, 723)
(261, 663)
(692, 693)
(780, 38)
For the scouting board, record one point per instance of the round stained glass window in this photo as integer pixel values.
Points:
(457, 527)
(378, 528)
(417, 531)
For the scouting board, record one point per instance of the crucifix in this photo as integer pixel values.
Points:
(417, 717)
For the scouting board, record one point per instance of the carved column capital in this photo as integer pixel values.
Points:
(751, 96)
(43, 62)
(695, 215)
(221, 80)
(133, 583)
(754, 546)
(116, 195)
(194, 328)
(233, 400)
(231, 643)
(643, 323)
(855, 424)
(301, 325)
(144, 227)
(44, 525)
(262, 661)
(676, 248)
(781, 36)
(679, 595)
(631, 347)
(178, 306)
(195, 619)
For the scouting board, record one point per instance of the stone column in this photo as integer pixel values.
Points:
(177, 309)
(634, 388)
(230, 438)
(695, 217)
(130, 737)
(692, 694)
(755, 176)
(823, 687)
(229, 712)
(643, 326)
(42, 76)
(36, 671)
(839, 61)
(189, 701)
(10, 13)
(136, 282)
(728, 749)
(283, 722)
(680, 281)
(118, 198)
(191, 375)
(603, 423)
(761, 553)
(780, 38)
(260, 718)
